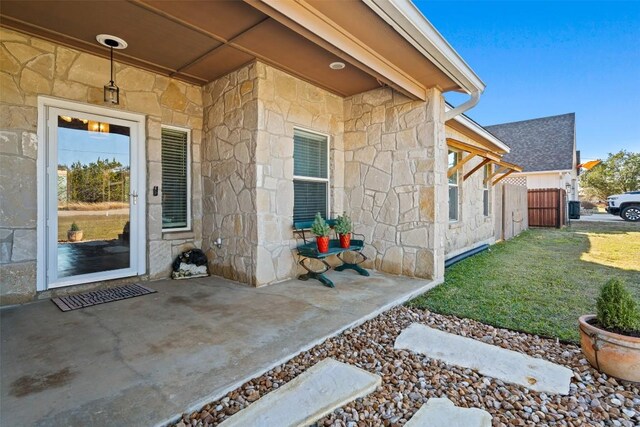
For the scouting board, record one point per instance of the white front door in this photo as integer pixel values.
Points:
(93, 195)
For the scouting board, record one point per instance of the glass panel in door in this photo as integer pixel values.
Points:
(93, 187)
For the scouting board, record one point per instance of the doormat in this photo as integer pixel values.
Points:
(101, 296)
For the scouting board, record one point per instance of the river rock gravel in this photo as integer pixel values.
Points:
(409, 380)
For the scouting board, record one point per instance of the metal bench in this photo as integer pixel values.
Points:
(309, 249)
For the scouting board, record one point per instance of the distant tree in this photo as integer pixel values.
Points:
(99, 181)
(619, 173)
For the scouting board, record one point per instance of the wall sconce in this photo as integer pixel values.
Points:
(111, 90)
(98, 127)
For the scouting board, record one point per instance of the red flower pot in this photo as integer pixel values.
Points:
(345, 240)
(323, 244)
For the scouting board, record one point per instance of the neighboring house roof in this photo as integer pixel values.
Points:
(544, 144)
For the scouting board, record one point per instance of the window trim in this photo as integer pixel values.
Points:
(314, 179)
(457, 184)
(486, 187)
(189, 222)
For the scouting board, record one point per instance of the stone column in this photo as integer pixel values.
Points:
(393, 149)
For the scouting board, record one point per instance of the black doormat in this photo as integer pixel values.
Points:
(101, 296)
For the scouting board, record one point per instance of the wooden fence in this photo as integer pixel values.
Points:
(511, 210)
(547, 207)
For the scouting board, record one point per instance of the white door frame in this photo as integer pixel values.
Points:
(138, 183)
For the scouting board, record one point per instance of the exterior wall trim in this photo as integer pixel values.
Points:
(558, 171)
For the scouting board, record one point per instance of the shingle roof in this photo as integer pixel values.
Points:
(542, 144)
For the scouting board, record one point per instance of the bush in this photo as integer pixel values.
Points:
(616, 308)
(319, 226)
(343, 224)
(587, 204)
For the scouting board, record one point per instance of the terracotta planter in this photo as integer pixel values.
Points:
(74, 236)
(614, 354)
(323, 244)
(345, 240)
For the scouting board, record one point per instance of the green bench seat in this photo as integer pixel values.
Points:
(309, 250)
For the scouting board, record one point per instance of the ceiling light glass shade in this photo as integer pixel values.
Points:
(112, 93)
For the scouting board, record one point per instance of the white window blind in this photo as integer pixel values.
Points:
(454, 191)
(486, 199)
(175, 179)
(311, 175)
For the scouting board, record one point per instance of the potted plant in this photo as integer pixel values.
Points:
(344, 227)
(75, 233)
(610, 340)
(321, 230)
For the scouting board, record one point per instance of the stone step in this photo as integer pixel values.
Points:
(506, 365)
(441, 412)
(315, 393)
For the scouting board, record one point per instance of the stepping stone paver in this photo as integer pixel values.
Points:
(315, 393)
(533, 373)
(441, 412)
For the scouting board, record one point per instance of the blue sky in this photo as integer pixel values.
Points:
(86, 147)
(542, 58)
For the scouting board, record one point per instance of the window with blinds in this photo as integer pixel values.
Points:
(486, 196)
(176, 203)
(454, 188)
(310, 175)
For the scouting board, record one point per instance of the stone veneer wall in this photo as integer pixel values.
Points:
(250, 116)
(395, 170)
(473, 227)
(229, 173)
(287, 102)
(30, 67)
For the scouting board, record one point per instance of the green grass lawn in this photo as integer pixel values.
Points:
(541, 281)
(94, 227)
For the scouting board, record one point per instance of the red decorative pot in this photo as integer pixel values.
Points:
(345, 240)
(323, 244)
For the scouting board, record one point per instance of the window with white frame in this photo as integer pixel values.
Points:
(176, 179)
(310, 175)
(454, 187)
(486, 188)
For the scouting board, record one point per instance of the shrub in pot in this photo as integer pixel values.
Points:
(344, 227)
(610, 340)
(75, 233)
(321, 229)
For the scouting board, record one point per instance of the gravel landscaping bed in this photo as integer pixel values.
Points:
(409, 380)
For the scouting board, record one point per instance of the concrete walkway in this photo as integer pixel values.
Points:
(144, 361)
(441, 412)
(316, 392)
(490, 360)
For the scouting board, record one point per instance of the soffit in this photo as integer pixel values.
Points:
(384, 40)
(200, 41)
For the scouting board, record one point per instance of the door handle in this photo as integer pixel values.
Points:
(134, 195)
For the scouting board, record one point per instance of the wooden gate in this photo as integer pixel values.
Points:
(547, 207)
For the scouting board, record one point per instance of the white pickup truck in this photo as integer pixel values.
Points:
(626, 205)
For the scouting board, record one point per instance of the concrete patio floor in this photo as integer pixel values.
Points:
(146, 360)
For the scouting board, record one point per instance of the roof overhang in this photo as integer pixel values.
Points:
(409, 22)
(474, 131)
(390, 44)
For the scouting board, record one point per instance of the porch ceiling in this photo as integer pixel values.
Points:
(200, 41)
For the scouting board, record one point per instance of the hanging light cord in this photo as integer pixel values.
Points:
(111, 49)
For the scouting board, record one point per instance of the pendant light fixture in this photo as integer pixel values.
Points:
(111, 90)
